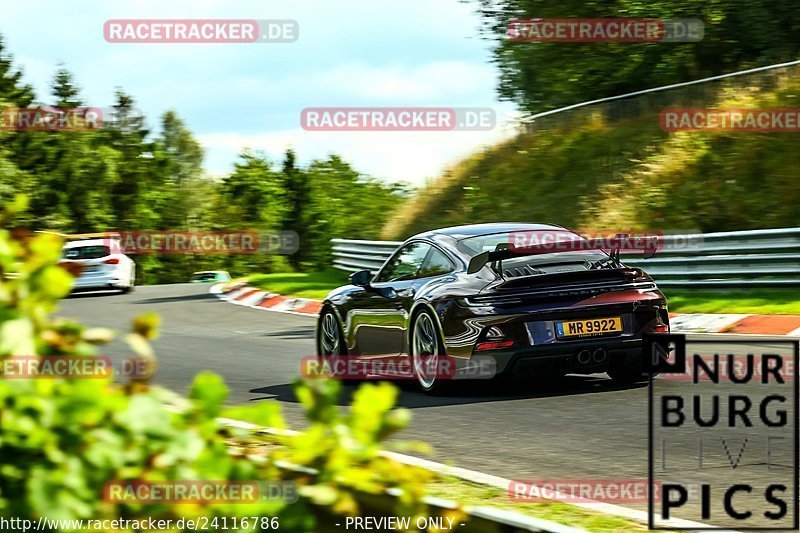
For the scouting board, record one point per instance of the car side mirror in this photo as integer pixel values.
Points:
(650, 250)
(361, 278)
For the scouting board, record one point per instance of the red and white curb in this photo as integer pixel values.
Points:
(241, 294)
(731, 323)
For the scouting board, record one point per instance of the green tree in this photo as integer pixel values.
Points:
(255, 192)
(64, 89)
(344, 203)
(296, 183)
(542, 76)
(12, 89)
(178, 160)
(126, 133)
(13, 93)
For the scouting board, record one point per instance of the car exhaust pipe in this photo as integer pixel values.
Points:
(599, 355)
(584, 356)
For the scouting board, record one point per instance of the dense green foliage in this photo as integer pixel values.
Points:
(124, 177)
(63, 439)
(543, 76)
(586, 170)
(611, 166)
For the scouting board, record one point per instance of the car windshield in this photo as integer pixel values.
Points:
(205, 276)
(571, 254)
(87, 252)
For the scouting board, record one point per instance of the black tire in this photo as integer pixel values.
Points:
(129, 288)
(436, 385)
(324, 349)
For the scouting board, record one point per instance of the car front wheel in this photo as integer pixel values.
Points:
(331, 348)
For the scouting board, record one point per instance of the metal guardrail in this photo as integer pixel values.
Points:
(735, 259)
(353, 255)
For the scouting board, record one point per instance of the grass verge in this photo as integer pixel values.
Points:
(474, 494)
(314, 285)
(757, 301)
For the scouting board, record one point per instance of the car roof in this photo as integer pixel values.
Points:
(86, 242)
(473, 230)
(210, 272)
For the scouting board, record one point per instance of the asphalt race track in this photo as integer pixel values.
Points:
(583, 427)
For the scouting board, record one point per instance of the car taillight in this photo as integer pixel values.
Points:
(112, 261)
(661, 328)
(494, 345)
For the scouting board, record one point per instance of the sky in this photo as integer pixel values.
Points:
(351, 53)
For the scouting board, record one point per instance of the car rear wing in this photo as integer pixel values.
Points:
(503, 251)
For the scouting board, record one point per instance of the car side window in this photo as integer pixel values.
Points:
(406, 263)
(436, 264)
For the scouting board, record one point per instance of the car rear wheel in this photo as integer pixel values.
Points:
(129, 288)
(426, 351)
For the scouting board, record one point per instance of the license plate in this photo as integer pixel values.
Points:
(590, 326)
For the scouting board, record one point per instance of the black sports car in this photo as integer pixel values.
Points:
(466, 293)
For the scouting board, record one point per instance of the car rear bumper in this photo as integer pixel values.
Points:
(100, 281)
(537, 345)
(587, 356)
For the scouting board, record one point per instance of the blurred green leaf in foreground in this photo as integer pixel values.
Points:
(62, 440)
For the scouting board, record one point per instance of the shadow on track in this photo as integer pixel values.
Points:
(94, 294)
(183, 298)
(475, 392)
(305, 332)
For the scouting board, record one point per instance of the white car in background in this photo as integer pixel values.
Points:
(98, 264)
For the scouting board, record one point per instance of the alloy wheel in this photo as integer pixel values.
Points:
(329, 336)
(425, 351)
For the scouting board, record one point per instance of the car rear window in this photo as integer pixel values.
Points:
(486, 243)
(579, 258)
(87, 252)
